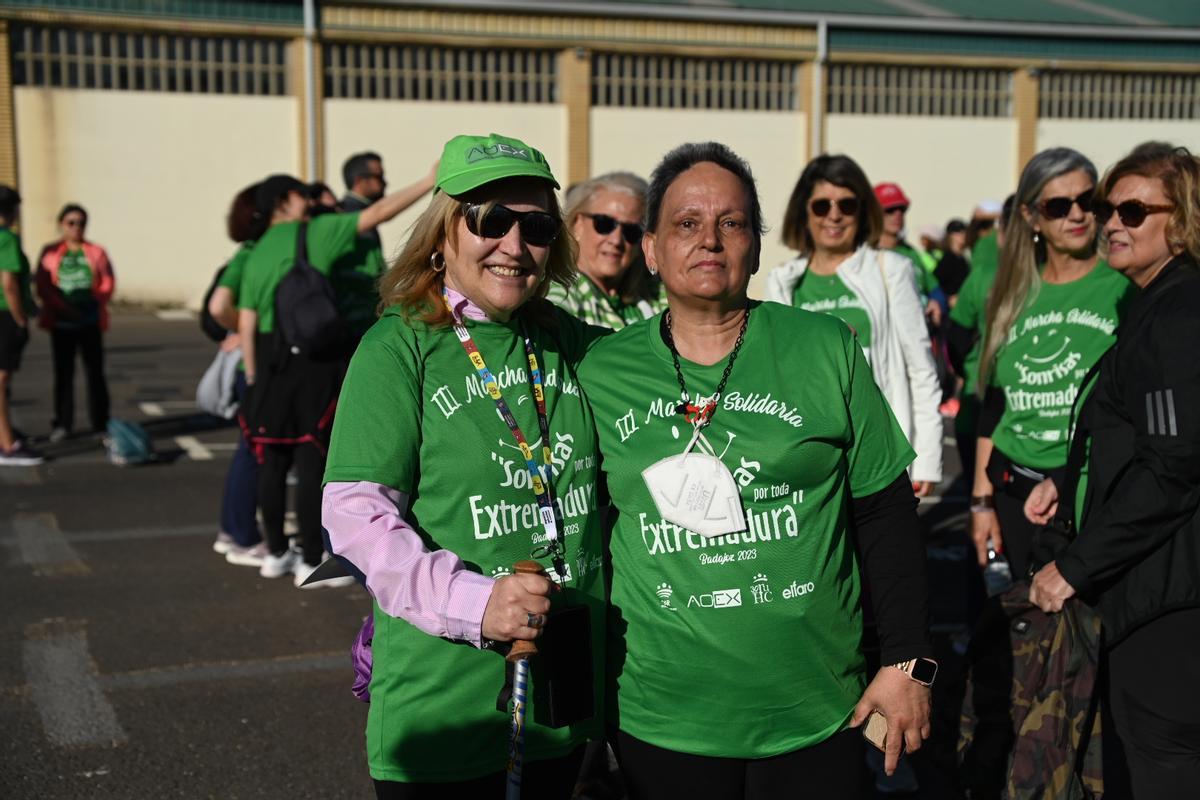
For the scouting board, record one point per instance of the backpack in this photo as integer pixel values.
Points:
(128, 443)
(306, 312)
(212, 329)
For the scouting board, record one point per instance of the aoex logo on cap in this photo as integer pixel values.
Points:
(498, 150)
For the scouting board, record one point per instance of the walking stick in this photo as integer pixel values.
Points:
(519, 656)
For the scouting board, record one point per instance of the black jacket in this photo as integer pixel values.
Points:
(1137, 554)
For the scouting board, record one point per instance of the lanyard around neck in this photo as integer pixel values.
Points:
(540, 477)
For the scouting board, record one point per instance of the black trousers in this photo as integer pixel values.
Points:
(309, 461)
(1155, 705)
(89, 343)
(831, 770)
(1012, 489)
(552, 779)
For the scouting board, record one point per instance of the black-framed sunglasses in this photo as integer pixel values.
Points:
(891, 210)
(1131, 212)
(603, 224)
(538, 228)
(822, 207)
(1060, 207)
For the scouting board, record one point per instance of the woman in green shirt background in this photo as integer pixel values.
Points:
(1051, 314)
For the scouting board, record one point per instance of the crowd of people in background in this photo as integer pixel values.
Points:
(67, 292)
(1053, 328)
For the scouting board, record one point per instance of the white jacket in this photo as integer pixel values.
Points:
(901, 357)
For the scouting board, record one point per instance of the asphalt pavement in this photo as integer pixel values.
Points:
(136, 663)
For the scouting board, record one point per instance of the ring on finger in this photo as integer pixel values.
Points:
(533, 620)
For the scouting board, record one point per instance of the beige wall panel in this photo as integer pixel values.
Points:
(410, 136)
(1107, 141)
(773, 144)
(156, 173)
(945, 165)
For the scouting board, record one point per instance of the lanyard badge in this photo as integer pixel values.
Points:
(540, 477)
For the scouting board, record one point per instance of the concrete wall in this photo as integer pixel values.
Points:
(773, 144)
(156, 173)
(410, 135)
(1107, 141)
(944, 165)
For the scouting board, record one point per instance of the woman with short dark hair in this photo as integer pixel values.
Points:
(834, 219)
(75, 282)
(742, 441)
(1132, 484)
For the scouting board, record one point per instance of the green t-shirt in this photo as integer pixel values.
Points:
(829, 294)
(971, 308)
(585, 300)
(1052, 345)
(414, 415)
(924, 265)
(329, 237)
(355, 280)
(12, 259)
(745, 645)
(75, 278)
(231, 278)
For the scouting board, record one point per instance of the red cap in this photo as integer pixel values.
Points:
(890, 195)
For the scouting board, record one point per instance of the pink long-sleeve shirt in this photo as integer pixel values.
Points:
(432, 590)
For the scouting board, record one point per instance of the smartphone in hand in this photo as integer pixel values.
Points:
(875, 730)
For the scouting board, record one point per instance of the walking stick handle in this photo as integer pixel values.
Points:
(522, 648)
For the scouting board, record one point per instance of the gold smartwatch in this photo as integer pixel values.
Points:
(921, 670)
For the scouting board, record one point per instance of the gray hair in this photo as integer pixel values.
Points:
(579, 195)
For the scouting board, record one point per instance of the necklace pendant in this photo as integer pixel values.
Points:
(700, 414)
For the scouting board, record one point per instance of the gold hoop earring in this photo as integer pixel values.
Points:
(437, 262)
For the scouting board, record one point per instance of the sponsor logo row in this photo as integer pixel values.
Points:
(760, 592)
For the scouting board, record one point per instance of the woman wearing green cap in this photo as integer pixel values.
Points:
(434, 496)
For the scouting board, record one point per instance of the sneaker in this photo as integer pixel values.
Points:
(59, 434)
(223, 543)
(20, 455)
(303, 570)
(274, 566)
(252, 556)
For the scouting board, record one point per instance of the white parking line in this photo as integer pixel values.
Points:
(194, 448)
(43, 546)
(175, 314)
(152, 409)
(63, 686)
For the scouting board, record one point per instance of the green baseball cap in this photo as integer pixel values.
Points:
(471, 161)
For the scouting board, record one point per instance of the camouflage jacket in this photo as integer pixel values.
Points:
(1031, 719)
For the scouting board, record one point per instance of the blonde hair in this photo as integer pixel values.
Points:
(1179, 172)
(1018, 280)
(412, 282)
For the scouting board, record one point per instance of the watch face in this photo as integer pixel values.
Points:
(924, 670)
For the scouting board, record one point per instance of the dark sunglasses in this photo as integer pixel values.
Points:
(603, 224)
(537, 227)
(889, 210)
(1132, 212)
(822, 207)
(1059, 207)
